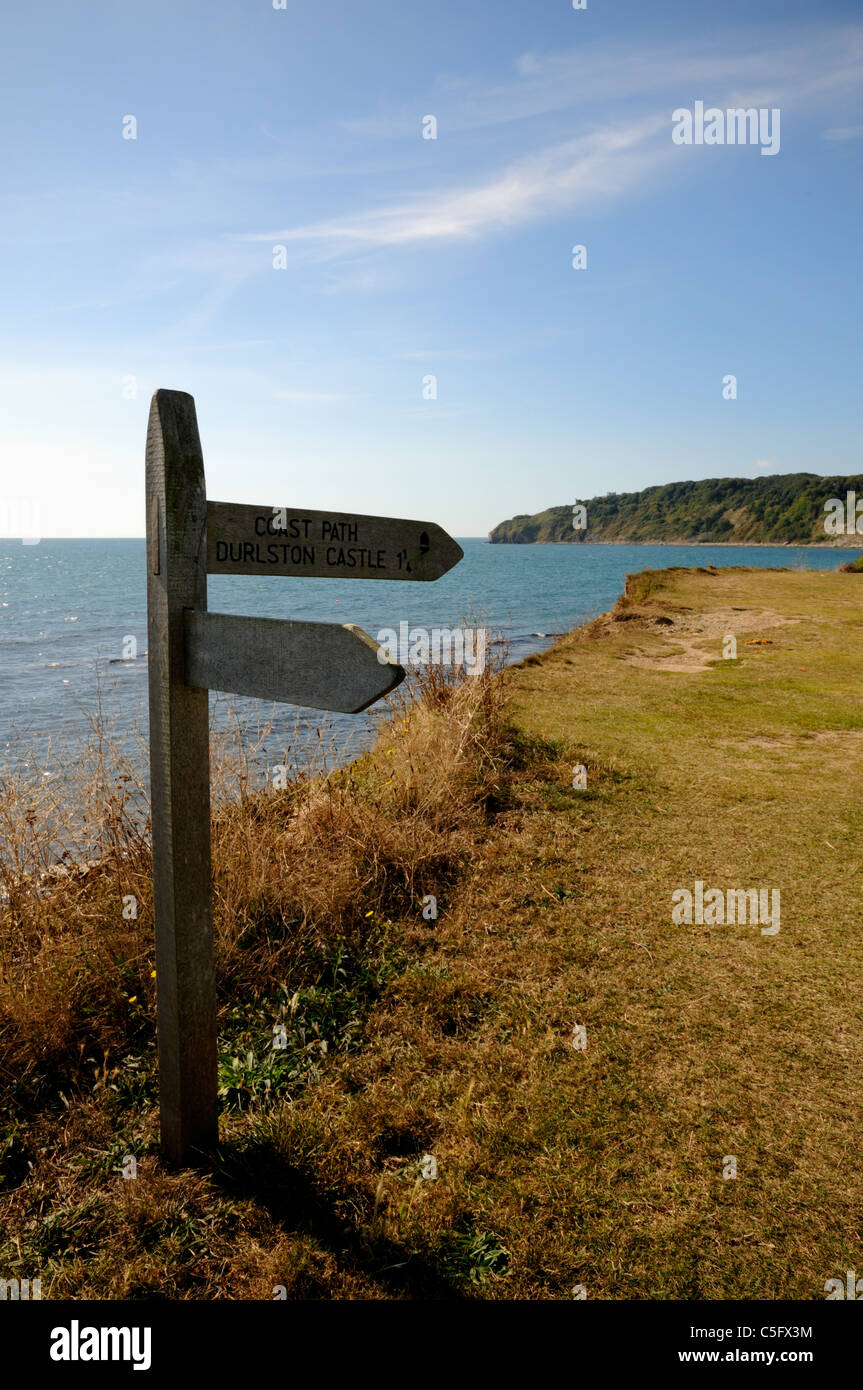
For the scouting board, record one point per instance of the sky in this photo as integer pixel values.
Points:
(421, 343)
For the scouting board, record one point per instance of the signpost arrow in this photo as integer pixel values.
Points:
(243, 539)
(320, 665)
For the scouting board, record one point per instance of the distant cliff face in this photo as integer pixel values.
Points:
(786, 509)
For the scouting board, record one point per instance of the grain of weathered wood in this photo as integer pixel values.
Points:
(180, 782)
(244, 539)
(322, 665)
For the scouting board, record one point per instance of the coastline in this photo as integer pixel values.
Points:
(724, 545)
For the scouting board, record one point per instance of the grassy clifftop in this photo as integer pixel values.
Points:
(783, 509)
(412, 1038)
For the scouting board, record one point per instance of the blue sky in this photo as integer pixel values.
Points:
(132, 264)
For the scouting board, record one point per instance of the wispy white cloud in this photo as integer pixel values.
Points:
(602, 164)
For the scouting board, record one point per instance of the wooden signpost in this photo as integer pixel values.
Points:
(319, 665)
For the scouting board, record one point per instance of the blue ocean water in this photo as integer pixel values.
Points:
(68, 608)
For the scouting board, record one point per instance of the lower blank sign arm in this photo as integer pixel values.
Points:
(330, 666)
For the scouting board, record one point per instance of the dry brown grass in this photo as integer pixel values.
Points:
(317, 886)
(293, 868)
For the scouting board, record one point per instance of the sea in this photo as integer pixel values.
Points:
(73, 628)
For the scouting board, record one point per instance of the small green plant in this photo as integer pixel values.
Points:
(111, 1159)
(133, 1083)
(277, 1047)
(258, 1075)
(475, 1255)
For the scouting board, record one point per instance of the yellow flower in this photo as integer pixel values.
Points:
(132, 998)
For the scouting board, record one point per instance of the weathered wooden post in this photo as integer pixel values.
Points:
(180, 781)
(332, 666)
